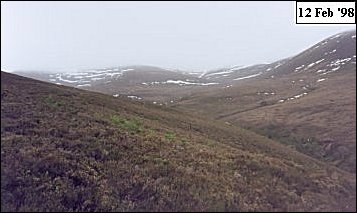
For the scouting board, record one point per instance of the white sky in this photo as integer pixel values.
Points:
(187, 35)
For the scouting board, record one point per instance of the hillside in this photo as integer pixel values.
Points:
(328, 56)
(306, 97)
(159, 85)
(65, 149)
(308, 102)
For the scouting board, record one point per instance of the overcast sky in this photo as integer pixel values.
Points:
(187, 35)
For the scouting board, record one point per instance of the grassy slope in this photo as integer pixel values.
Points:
(70, 150)
(327, 114)
(322, 124)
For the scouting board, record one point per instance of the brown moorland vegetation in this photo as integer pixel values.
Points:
(65, 149)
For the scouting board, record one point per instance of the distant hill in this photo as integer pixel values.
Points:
(142, 82)
(306, 97)
(328, 56)
(66, 149)
(307, 101)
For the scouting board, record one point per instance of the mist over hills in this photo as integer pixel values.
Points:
(279, 136)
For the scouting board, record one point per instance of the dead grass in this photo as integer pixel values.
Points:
(327, 115)
(86, 154)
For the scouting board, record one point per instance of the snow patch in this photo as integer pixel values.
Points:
(97, 71)
(314, 63)
(336, 36)
(294, 97)
(299, 96)
(127, 70)
(336, 68)
(204, 73)
(77, 73)
(279, 64)
(300, 67)
(339, 62)
(317, 62)
(310, 65)
(332, 70)
(219, 73)
(95, 75)
(65, 80)
(319, 71)
(96, 79)
(249, 76)
(134, 97)
(113, 73)
(328, 53)
(188, 83)
(84, 85)
(78, 77)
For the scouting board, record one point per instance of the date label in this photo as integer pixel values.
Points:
(325, 13)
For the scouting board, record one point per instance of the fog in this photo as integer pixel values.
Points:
(67, 36)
